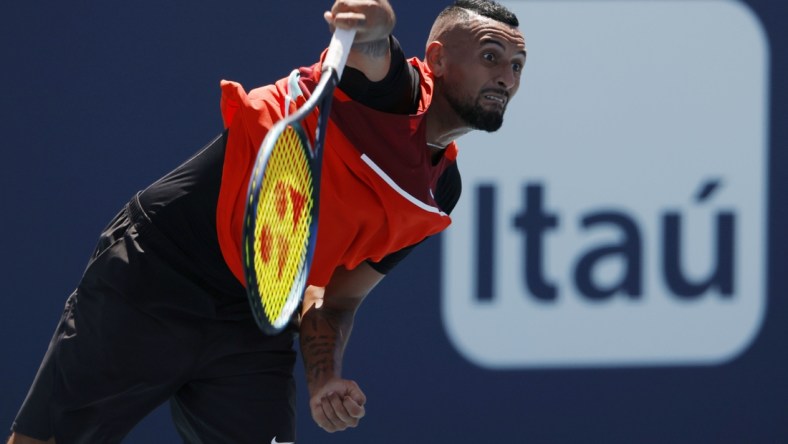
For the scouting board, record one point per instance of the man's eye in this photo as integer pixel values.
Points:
(517, 67)
(490, 57)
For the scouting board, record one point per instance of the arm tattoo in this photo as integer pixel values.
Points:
(322, 344)
(320, 350)
(375, 49)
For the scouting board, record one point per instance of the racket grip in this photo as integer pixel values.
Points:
(338, 50)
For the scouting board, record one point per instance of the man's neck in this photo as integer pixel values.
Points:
(444, 126)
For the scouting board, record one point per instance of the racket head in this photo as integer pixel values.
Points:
(280, 225)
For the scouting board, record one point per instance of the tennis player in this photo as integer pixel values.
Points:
(161, 313)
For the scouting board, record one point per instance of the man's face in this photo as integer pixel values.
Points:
(486, 58)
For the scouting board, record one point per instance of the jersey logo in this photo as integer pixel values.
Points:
(277, 239)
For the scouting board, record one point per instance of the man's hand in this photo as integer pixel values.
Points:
(373, 20)
(338, 405)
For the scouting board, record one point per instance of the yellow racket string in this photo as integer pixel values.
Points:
(281, 230)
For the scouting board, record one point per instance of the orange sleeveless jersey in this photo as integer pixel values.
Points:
(377, 184)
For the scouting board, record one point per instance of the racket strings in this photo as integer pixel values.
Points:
(282, 226)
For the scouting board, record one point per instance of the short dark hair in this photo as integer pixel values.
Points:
(487, 8)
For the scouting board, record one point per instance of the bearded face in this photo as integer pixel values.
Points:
(477, 62)
(484, 112)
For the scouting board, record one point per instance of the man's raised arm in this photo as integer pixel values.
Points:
(373, 20)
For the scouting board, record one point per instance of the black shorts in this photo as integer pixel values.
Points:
(139, 330)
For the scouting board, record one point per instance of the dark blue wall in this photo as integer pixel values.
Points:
(101, 99)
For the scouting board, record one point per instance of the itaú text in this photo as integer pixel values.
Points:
(536, 222)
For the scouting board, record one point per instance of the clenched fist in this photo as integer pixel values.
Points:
(338, 405)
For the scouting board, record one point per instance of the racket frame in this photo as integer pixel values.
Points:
(320, 99)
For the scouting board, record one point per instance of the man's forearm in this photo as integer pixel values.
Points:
(324, 335)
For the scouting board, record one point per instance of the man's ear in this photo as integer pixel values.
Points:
(435, 56)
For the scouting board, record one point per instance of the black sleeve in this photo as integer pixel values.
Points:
(397, 93)
(447, 194)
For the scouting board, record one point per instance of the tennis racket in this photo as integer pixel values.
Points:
(280, 222)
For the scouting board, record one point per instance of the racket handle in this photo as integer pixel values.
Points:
(338, 49)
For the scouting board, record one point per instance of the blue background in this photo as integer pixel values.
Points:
(101, 98)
